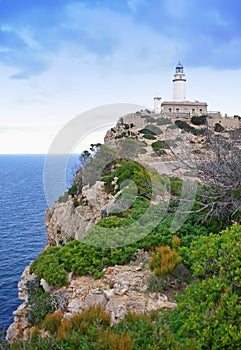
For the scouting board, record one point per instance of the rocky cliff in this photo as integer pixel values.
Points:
(122, 288)
(66, 221)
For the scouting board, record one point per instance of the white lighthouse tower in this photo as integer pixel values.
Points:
(179, 84)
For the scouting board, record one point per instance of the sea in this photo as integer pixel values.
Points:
(22, 222)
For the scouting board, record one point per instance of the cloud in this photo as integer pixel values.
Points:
(127, 35)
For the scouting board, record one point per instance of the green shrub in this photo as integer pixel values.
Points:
(176, 186)
(143, 151)
(149, 118)
(140, 328)
(188, 128)
(121, 135)
(76, 202)
(236, 193)
(163, 121)
(129, 170)
(151, 129)
(199, 119)
(64, 198)
(49, 267)
(72, 190)
(40, 303)
(149, 137)
(210, 310)
(218, 127)
(209, 313)
(219, 254)
(159, 145)
(172, 127)
(155, 284)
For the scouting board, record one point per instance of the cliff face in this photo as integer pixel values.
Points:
(16, 329)
(65, 221)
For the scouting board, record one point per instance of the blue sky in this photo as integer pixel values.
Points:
(59, 58)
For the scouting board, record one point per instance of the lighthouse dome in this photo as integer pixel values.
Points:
(179, 68)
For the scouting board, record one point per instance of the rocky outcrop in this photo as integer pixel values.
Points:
(20, 323)
(66, 221)
(121, 289)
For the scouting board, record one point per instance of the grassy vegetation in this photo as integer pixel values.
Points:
(209, 311)
(207, 316)
(132, 224)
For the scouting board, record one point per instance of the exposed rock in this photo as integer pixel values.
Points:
(13, 331)
(121, 289)
(65, 222)
(20, 323)
(94, 299)
(75, 306)
(22, 288)
(46, 287)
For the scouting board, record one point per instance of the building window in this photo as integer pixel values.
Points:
(170, 109)
(185, 109)
(200, 110)
(193, 110)
(177, 110)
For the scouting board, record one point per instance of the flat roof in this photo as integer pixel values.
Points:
(188, 103)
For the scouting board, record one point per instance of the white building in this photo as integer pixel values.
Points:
(180, 107)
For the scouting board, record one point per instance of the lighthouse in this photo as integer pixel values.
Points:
(179, 84)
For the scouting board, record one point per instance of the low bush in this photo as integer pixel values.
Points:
(121, 135)
(159, 145)
(49, 267)
(218, 127)
(129, 170)
(40, 303)
(208, 314)
(176, 186)
(52, 322)
(64, 198)
(219, 254)
(149, 137)
(164, 259)
(151, 129)
(163, 121)
(149, 118)
(188, 128)
(140, 328)
(199, 119)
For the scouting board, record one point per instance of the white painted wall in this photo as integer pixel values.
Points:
(179, 88)
(157, 105)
